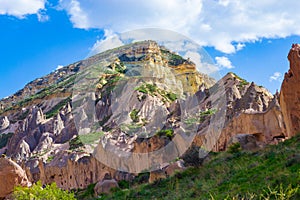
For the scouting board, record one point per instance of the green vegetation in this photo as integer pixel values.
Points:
(200, 117)
(75, 143)
(134, 115)
(111, 84)
(83, 139)
(55, 110)
(243, 82)
(50, 158)
(4, 139)
(23, 115)
(37, 192)
(87, 194)
(58, 87)
(120, 68)
(169, 133)
(173, 59)
(147, 88)
(131, 128)
(153, 90)
(272, 173)
(234, 148)
(90, 138)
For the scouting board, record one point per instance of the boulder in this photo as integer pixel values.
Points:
(157, 175)
(246, 141)
(11, 175)
(105, 186)
(177, 166)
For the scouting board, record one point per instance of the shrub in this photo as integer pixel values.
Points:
(134, 115)
(234, 148)
(75, 143)
(38, 192)
(172, 96)
(168, 133)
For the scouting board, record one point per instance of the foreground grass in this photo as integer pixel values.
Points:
(272, 173)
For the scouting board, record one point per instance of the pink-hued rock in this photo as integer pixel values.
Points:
(11, 175)
(290, 93)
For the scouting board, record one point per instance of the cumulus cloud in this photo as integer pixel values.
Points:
(226, 25)
(21, 8)
(110, 40)
(224, 62)
(277, 76)
(78, 17)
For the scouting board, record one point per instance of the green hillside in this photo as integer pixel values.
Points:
(272, 173)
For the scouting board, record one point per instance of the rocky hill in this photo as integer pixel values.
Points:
(96, 119)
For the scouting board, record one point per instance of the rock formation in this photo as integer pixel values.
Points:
(105, 186)
(290, 93)
(11, 175)
(53, 135)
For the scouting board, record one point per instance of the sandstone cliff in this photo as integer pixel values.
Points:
(290, 93)
(134, 99)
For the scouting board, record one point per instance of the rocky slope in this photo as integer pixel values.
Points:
(138, 99)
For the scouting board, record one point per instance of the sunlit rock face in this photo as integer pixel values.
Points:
(11, 175)
(73, 125)
(290, 93)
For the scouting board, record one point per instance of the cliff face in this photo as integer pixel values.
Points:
(136, 89)
(290, 93)
(250, 110)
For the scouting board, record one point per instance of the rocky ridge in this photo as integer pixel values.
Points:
(41, 133)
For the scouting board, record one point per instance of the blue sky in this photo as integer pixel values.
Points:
(249, 38)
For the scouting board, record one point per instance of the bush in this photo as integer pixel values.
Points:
(234, 148)
(134, 115)
(168, 133)
(38, 192)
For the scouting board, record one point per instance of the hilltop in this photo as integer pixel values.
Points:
(136, 108)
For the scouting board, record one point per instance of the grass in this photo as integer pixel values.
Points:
(81, 140)
(55, 110)
(173, 59)
(87, 194)
(90, 138)
(169, 133)
(200, 117)
(75, 143)
(243, 82)
(57, 87)
(153, 90)
(272, 173)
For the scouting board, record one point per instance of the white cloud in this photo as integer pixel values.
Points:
(42, 16)
(203, 67)
(240, 46)
(21, 8)
(224, 62)
(111, 40)
(78, 17)
(59, 67)
(277, 76)
(219, 23)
